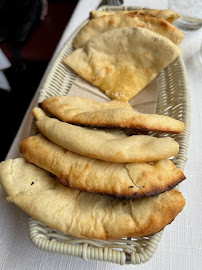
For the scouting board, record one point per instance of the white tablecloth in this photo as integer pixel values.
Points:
(181, 244)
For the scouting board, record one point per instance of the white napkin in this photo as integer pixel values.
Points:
(144, 102)
(4, 64)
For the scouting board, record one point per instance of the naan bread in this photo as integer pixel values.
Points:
(122, 62)
(71, 106)
(96, 143)
(103, 24)
(86, 112)
(127, 180)
(168, 15)
(82, 214)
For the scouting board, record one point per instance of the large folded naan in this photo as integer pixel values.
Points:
(96, 143)
(123, 61)
(83, 214)
(113, 114)
(103, 24)
(127, 180)
(166, 14)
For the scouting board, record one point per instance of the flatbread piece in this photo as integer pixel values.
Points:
(166, 14)
(82, 214)
(103, 24)
(96, 143)
(126, 180)
(123, 61)
(113, 114)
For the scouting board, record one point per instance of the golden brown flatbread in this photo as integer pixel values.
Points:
(96, 143)
(126, 180)
(123, 61)
(114, 114)
(82, 214)
(103, 24)
(166, 14)
(68, 105)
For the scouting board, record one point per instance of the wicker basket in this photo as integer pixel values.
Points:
(173, 100)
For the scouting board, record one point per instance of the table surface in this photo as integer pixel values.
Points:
(181, 244)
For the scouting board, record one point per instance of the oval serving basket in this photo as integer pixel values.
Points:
(173, 100)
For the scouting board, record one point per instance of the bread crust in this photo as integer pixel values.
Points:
(82, 214)
(168, 15)
(96, 143)
(123, 61)
(113, 114)
(106, 23)
(125, 180)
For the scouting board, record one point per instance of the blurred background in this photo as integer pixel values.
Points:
(29, 33)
